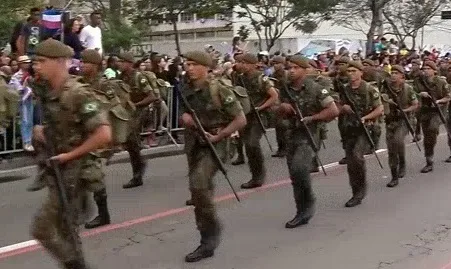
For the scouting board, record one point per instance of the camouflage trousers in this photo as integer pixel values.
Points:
(281, 135)
(299, 156)
(430, 124)
(251, 135)
(448, 129)
(57, 231)
(202, 169)
(355, 148)
(133, 143)
(395, 134)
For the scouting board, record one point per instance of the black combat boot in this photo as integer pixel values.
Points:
(104, 216)
(402, 167)
(358, 193)
(76, 264)
(343, 161)
(428, 168)
(394, 181)
(138, 172)
(189, 202)
(315, 166)
(208, 243)
(38, 183)
(281, 152)
(448, 160)
(305, 205)
(252, 184)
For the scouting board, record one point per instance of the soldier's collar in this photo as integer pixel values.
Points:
(203, 85)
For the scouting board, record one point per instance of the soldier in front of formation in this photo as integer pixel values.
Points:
(399, 98)
(317, 106)
(74, 125)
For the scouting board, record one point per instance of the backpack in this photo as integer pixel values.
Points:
(160, 87)
(240, 93)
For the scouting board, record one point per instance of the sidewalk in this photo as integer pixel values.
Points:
(161, 151)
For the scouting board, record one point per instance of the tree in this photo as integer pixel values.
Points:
(271, 18)
(406, 18)
(365, 16)
(170, 10)
(12, 12)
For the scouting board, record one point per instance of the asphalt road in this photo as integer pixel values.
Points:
(405, 227)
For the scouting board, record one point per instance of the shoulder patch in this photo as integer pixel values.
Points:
(265, 78)
(90, 107)
(143, 81)
(376, 95)
(229, 100)
(324, 91)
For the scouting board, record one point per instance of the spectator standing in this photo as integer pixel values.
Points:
(32, 33)
(19, 83)
(91, 35)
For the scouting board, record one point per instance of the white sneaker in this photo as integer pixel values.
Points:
(28, 147)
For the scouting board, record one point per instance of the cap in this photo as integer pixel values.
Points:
(52, 48)
(355, 64)
(91, 56)
(249, 58)
(430, 64)
(343, 60)
(300, 61)
(199, 57)
(23, 59)
(398, 68)
(278, 60)
(368, 62)
(127, 57)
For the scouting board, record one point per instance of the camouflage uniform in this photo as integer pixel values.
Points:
(9, 103)
(72, 114)
(214, 114)
(140, 88)
(312, 98)
(396, 128)
(429, 117)
(366, 98)
(257, 85)
(338, 81)
(281, 124)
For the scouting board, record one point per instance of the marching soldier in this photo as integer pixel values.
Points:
(281, 76)
(105, 93)
(340, 77)
(367, 101)
(414, 75)
(220, 116)
(397, 95)
(263, 94)
(431, 87)
(78, 127)
(316, 105)
(142, 94)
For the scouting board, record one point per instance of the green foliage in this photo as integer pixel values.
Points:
(244, 32)
(119, 36)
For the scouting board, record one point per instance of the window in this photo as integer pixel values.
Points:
(186, 17)
(205, 34)
(187, 36)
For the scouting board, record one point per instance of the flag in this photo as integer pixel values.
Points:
(51, 21)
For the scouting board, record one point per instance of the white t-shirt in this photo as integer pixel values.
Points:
(91, 38)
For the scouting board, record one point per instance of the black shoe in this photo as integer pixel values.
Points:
(279, 154)
(353, 202)
(402, 172)
(200, 253)
(343, 161)
(98, 221)
(428, 168)
(252, 184)
(448, 160)
(416, 138)
(297, 221)
(238, 161)
(75, 264)
(393, 183)
(189, 202)
(133, 183)
(314, 169)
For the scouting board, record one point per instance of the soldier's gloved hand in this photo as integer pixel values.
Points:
(347, 109)
(425, 94)
(307, 119)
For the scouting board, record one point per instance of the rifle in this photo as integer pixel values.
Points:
(202, 132)
(310, 138)
(367, 133)
(62, 193)
(403, 114)
(257, 115)
(435, 105)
